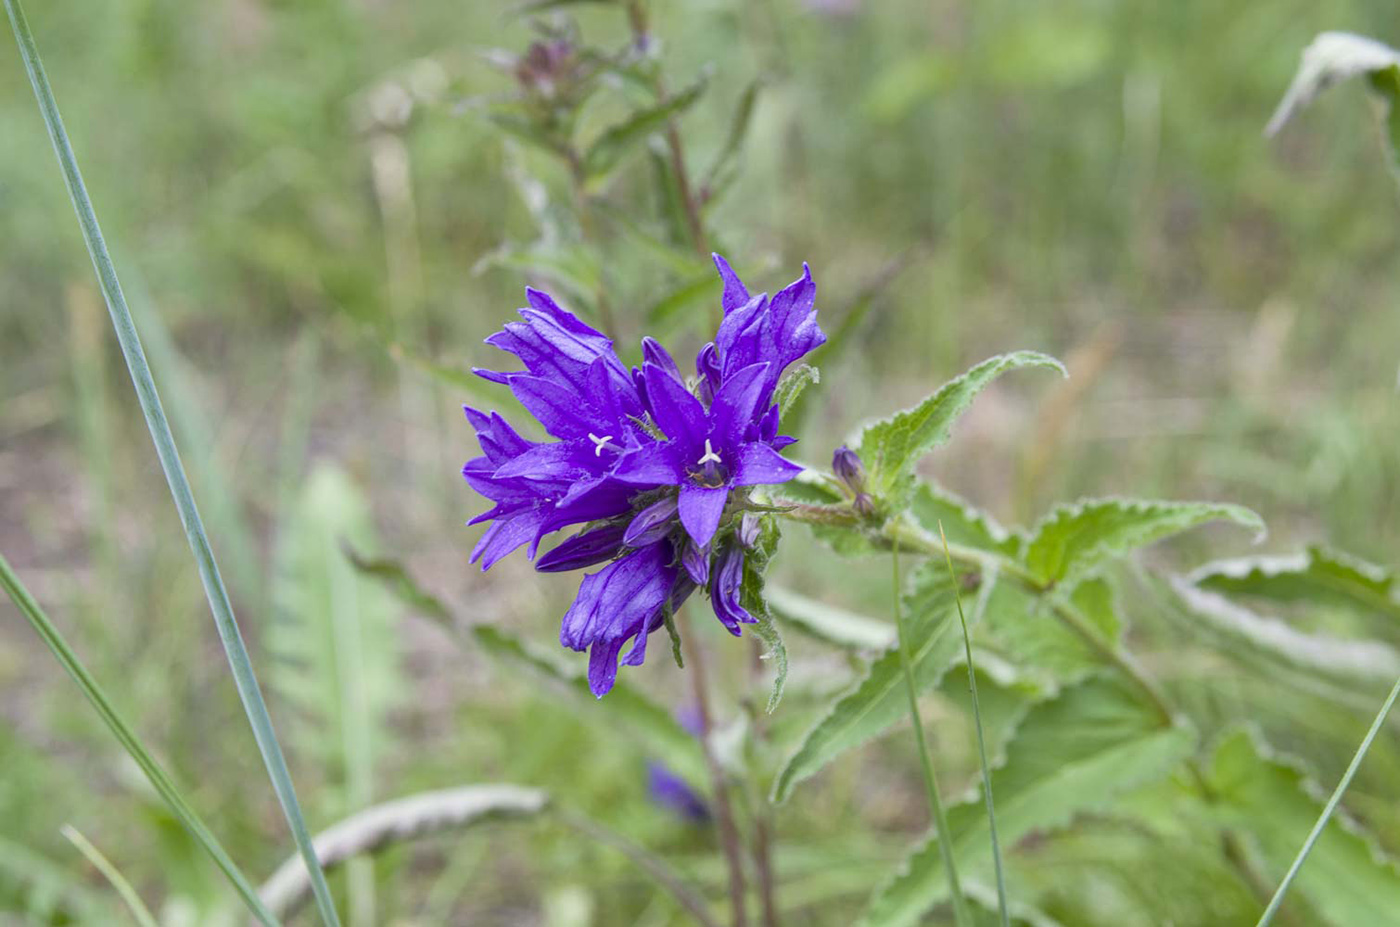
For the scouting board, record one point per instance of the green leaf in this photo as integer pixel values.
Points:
(792, 385)
(878, 699)
(396, 578)
(1073, 540)
(830, 624)
(1073, 754)
(1271, 801)
(962, 523)
(752, 598)
(716, 178)
(1320, 576)
(608, 150)
(334, 640)
(1022, 628)
(1337, 56)
(1307, 660)
(623, 710)
(691, 300)
(890, 448)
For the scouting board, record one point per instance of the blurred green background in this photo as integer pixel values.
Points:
(1083, 178)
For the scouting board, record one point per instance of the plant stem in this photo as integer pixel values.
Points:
(112, 874)
(981, 740)
(155, 774)
(164, 441)
(637, 19)
(762, 810)
(945, 839)
(1331, 806)
(724, 812)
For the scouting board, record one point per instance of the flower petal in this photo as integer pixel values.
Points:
(701, 508)
(759, 464)
(583, 550)
(651, 465)
(558, 409)
(680, 415)
(737, 403)
(735, 293)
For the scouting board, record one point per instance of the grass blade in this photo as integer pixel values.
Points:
(145, 386)
(1331, 806)
(112, 874)
(981, 740)
(961, 915)
(156, 775)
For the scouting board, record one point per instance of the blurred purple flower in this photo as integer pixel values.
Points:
(648, 461)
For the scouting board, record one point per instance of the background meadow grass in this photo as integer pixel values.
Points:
(1083, 178)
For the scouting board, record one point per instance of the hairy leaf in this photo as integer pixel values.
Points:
(878, 699)
(1346, 665)
(1346, 878)
(608, 150)
(1074, 753)
(623, 710)
(829, 623)
(792, 385)
(962, 523)
(891, 447)
(1337, 56)
(1074, 539)
(1320, 576)
(1023, 628)
(752, 598)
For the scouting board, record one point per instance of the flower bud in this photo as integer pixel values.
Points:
(748, 529)
(651, 524)
(848, 469)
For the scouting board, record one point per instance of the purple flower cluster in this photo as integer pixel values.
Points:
(648, 462)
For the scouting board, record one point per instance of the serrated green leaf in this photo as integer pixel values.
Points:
(962, 523)
(1344, 665)
(608, 150)
(334, 640)
(752, 598)
(891, 447)
(624, 710)
(1319, 576)
(878, 698)
(792, 385)
(830, 624)
(1073, 540)
(1346, 880)
(1074, 753)
(1334, 57)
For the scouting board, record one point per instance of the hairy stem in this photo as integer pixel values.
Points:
(724, 812)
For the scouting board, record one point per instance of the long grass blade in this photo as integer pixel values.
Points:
(113, 875)
(961, 915)
(135, 357)
(1331, 806)
(155, 774)
(981, 739)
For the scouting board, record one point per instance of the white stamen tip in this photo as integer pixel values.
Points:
(709, 455)
(599, 443)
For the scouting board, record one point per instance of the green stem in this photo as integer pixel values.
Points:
(945, 838)
(1331, 806)
(169, 456)
(981, 739)
(155, 774)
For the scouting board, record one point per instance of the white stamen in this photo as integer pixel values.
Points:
(709, 455)
(599, 442)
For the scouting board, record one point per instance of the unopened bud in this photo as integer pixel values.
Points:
(848, 468)
(864, 503)
(748, 529)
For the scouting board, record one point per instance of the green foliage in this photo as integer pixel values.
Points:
(1347, 880)
(827, 623)
(933, 506)
(793, 384)
(751, 596)
(1319, 576)
(1073, 540)
(890, 448)
(877, 699)
(607, 151)
(624, 712)
(335, 636)
(1073, 754)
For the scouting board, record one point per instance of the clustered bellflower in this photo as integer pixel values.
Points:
(647, 460)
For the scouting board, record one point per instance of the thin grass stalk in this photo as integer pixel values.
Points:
(1331, 806)
(155, 774)
(961, 915)
(183, 496)
(981, 738)
(113, 875)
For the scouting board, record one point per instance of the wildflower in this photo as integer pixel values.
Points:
(656, 468)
